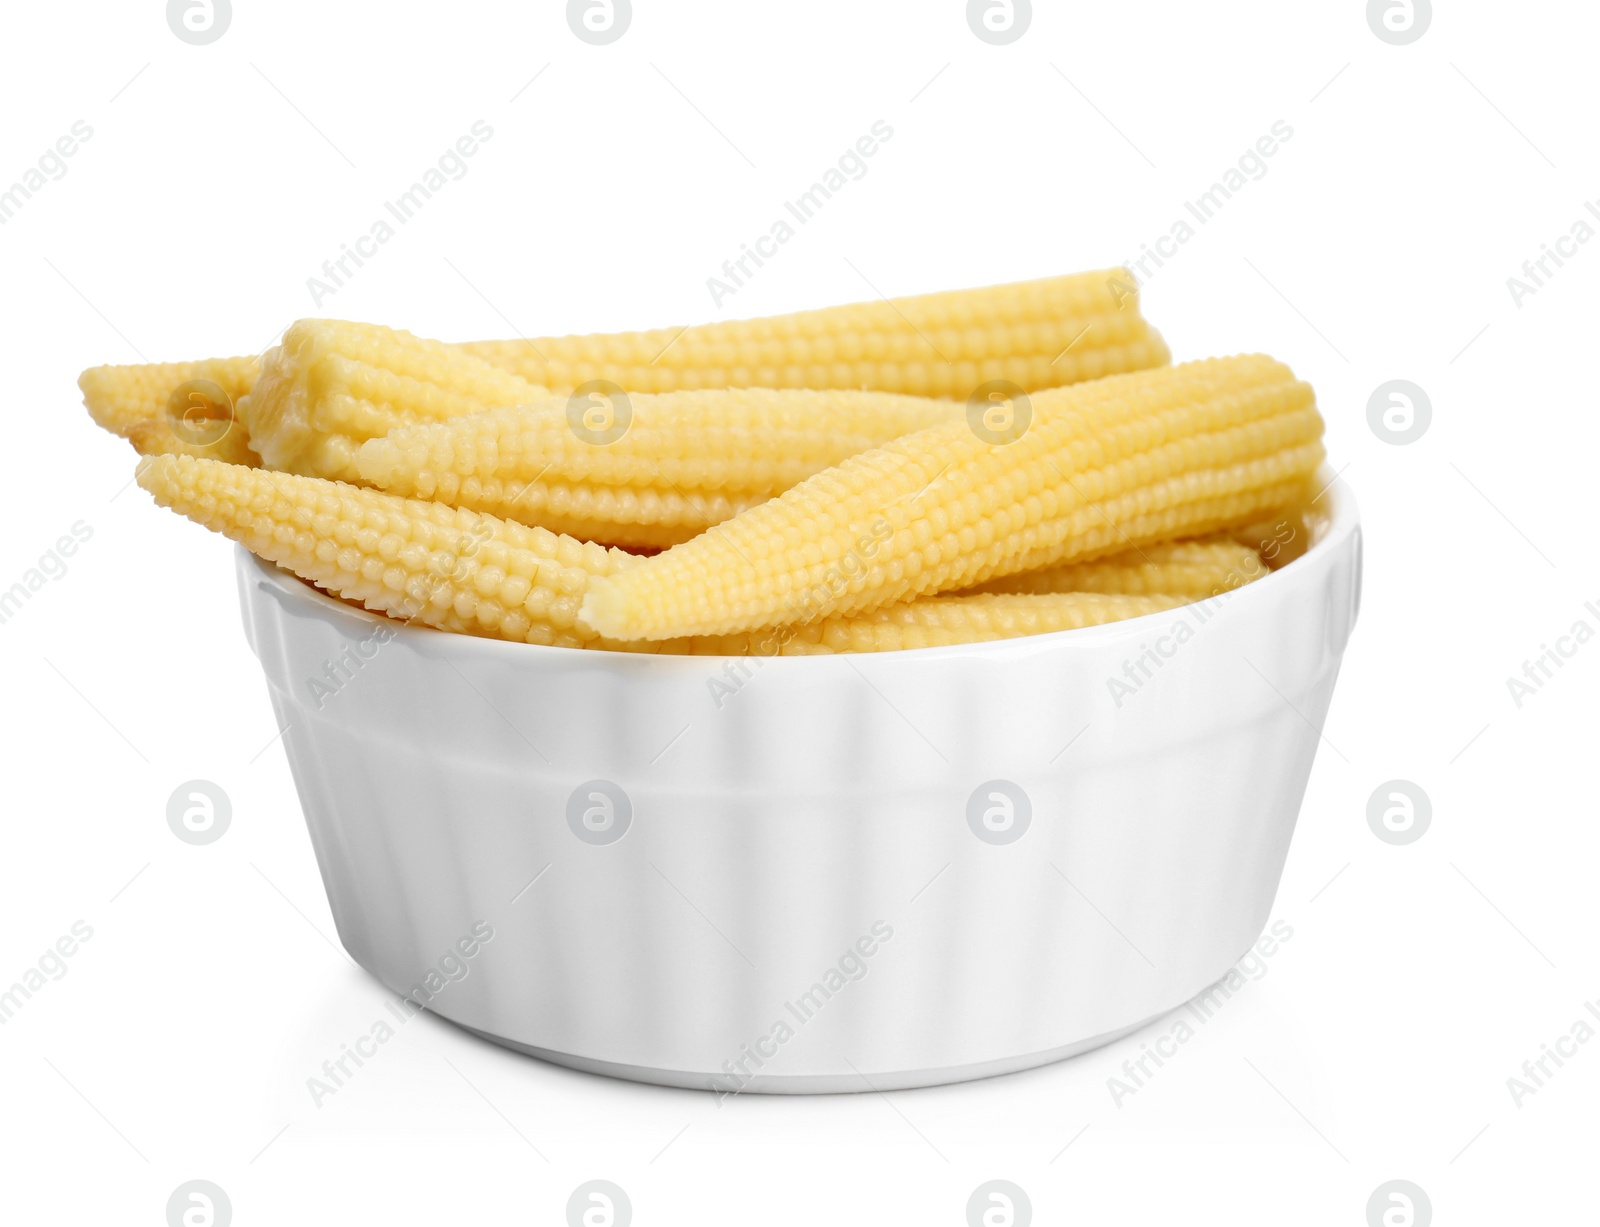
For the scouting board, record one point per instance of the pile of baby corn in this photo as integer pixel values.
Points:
(949, 468)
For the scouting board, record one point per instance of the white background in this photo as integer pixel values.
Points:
(1378, 246)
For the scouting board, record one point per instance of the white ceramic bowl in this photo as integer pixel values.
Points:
(809, 873)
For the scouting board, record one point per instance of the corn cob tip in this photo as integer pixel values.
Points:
(605, 611)
(330, 385)
(376, 461)
(156, 472)
(104, 409)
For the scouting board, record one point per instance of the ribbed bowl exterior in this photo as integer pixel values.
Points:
(796, 815)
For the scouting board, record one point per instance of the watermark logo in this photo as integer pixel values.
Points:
(1399, 812)
(599, 1203)
(1399, 1203)
(998, 22)
(999, 1203)
(598, 22)
(199, 1203)
(1398, 22)
(199, 812)
(599, 412)
(1399, 412)
(999, 812)
(199, 22)
(201, 412)
(999, 412)
(599, 812)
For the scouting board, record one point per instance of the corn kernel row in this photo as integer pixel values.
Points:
(1035, 334)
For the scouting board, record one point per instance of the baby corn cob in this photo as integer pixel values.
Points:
(424, 562)
(686, 461)
(933, 621)
(153, 406)
(1035, 334)
(119, 397)
(332, 385)
(1106, 465)
(1191, 569)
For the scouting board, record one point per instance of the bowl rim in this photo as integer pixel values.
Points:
(290, 590)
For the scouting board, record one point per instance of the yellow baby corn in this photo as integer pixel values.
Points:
(120, 397)
(213, 438)
(1035, 334)
(332, 385)
(685, 460)
(1102, 466)
(936, 621)
(1191, 569)
(416, 561)
(933, 621)
(187, 407)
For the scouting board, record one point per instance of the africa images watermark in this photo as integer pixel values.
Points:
(999, 413)
(1537, 271)
(450, 166)
(850, 966)
(1152, 657)
(1136, 1072)
(52, 963)
(1251, 166)
(51, 166)
(446, 570)
(340, 670)
(451, 967)
(810, 605)
(851, 166)
(52, 565)
(1543, 667)
(1536, 1071)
